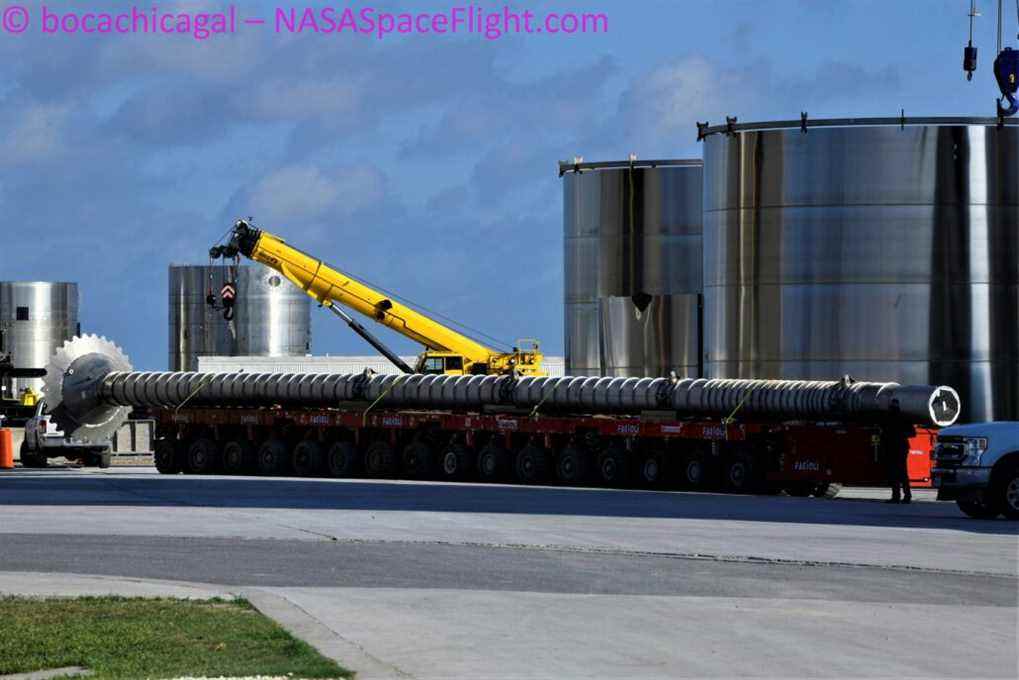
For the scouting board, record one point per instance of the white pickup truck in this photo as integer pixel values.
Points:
(44, 440)
(977, 466)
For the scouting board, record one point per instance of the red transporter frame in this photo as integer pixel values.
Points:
(801, 457)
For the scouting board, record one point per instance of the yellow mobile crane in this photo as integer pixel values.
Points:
(447, 351)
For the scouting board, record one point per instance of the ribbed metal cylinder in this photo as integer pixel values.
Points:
(884, 250)
(918, 404)
(35, 319)
(632, 257)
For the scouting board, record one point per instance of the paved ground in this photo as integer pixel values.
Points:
(423, 580)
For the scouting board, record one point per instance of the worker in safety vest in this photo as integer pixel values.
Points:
(29, 397)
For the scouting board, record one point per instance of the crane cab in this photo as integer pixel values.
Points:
(441, 363)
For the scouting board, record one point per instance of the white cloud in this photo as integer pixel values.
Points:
(306, 193)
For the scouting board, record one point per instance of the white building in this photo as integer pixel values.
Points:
(554, 366)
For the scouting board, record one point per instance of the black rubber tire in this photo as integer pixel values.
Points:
(612, 467)
(573, 465)
(532, 464)
(105, 460)
(166, 458)
(272, 457)
(1005, 492)
(238, 457)
(738, 475)
(651, 470)
(31, 459)
(306, 458)
(380, 460)
(977, 509)
(342, 460)
(202, 457)
(457, 462)
(694, 474)
(418, 460)
(493, 463)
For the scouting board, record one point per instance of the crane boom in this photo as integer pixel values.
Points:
(456, 352)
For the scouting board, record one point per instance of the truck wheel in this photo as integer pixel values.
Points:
(739, 475)
(165, 457)
(651, 471)
(574, 465)
(1006, 492)
(306, 458)
(977, 509)
(532, 464)
(612, 466)
(30, 458)
(380, 460)
(493, 461)
(417, 460)
(695, 473)
(457, 462)
(342, 460)
(271, 457)
(202, 457)
(238, 457)
(105, 460)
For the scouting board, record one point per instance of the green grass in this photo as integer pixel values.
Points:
(152, 638)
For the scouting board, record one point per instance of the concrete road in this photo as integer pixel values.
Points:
(466, 581)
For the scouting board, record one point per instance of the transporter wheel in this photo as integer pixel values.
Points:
(457, 462)
(417, 460)
(977, 509)
(493, 463)
(380, 460)
(271, 457)
(739, 475)
(612, 466)
(306, 458)
(651, 469)
(238, 457)
(532, 464)
(202, 457)
(166, 458)
(574, 465)
(695, 472)
(1005, 492)
(105, 460)
(342, 459)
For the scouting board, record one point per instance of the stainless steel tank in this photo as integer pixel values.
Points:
(632, 267)
(273, 315)
(35, 319)
(195, 328)
(884, 249)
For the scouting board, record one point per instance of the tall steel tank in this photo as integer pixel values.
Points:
(887, 249)
(273, 315)
(632, 267)
(36, 318)
(196, 329)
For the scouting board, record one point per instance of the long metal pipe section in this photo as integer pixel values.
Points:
(786, 399)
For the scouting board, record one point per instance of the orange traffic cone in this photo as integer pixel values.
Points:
(6, 449)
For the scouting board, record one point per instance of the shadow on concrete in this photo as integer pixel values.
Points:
(67, 487)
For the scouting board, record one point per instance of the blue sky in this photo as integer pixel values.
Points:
(426, 164)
